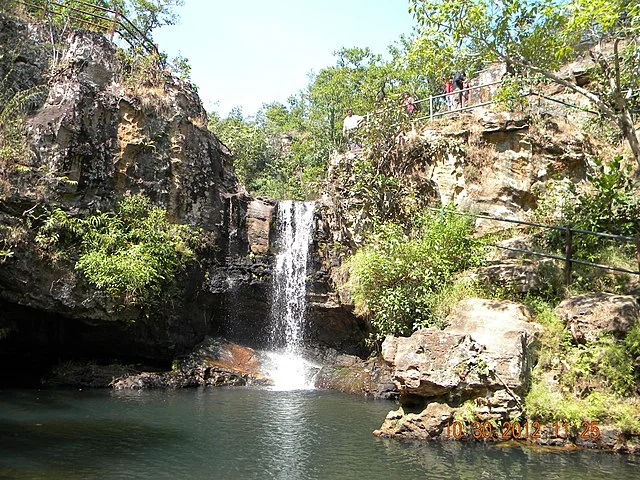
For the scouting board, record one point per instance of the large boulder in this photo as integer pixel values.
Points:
(522, 277)
(590, 315)
(429, 424)
(507, 332)
(485, 355)
(487, 344)
(431, 363)
(350, 374)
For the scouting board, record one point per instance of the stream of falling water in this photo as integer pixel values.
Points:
(286, 366)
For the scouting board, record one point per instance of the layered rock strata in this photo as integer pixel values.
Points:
(480, 365)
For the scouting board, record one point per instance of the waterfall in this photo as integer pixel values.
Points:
(288, 308)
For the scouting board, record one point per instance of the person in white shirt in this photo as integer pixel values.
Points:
(349, 127)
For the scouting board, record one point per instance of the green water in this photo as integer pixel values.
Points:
(249, 434)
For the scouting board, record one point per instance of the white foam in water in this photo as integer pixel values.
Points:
(290, 371)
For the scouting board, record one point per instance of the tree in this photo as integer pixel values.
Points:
(356, 81)
(248, 143)
(538, 35)
(151, 14)
(146, 15)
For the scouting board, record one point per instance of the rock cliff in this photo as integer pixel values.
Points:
(102, 126)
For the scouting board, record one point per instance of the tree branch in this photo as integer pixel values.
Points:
(597, 101)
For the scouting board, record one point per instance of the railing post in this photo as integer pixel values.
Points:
(568, 249)
(431, 108)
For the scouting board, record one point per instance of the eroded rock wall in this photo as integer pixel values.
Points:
(94, 136)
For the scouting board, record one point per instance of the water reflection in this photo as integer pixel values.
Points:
(249, 434)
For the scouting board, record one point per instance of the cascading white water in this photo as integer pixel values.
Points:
(287, 368)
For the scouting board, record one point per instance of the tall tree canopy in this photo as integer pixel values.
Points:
(538, 35)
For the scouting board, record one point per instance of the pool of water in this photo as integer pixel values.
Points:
(249, 434)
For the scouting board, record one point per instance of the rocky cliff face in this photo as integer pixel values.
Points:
(93, 138)
(99, 130)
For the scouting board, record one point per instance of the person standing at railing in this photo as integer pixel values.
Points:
(448, 90)
(459, 80)
(349, 127)
(409, 103)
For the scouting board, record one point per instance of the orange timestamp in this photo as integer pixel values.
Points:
(517, 430)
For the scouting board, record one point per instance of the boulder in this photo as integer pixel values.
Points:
(431, 363)
(590, 315)
(350, 374)
(485, 355)
(214, 362)
(516, 276)
(487, 344)
(506, 331)
(430, 424)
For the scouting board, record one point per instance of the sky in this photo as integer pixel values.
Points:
(249, 52)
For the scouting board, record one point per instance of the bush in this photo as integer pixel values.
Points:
(399, 277)
(607, 203)
(603, 363)
(132, 253)
(548, 406)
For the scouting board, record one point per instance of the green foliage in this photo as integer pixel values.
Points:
(15, 104)
(398, 277)
(595, 381)
(146, 15)
(537, 36)
(547, 406)
(606, 203)
(612, 206)
(632, 341)
(510, 94)
(140, 69)
(132, 253)
(601, 363)
(466, 413)
(313, 119)
(181, 67)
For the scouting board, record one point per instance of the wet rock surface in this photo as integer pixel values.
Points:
(215, 362)
(353, 375)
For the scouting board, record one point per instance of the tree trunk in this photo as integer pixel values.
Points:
(625, 122)
(622, 119)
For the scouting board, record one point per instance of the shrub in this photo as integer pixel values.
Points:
(399, 276)
(545, 405)
(132, 253)
(607, 203)
(510, 94)
(604, 362)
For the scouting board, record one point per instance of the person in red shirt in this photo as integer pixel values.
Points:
(448, 90)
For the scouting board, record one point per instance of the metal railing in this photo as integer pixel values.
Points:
(441, 99)
(93, 17)
(439, 107)
(568, 257)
